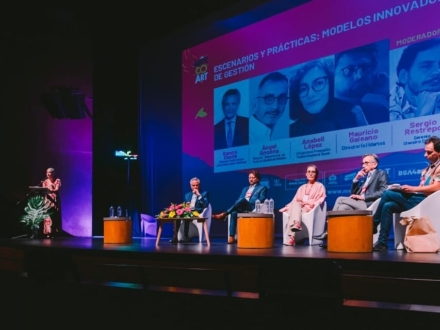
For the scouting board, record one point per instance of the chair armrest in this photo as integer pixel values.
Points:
(429, 206)
(319, 210)
(206, 211)
(373, 207)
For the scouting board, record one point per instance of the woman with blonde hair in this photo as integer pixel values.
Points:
(52, 224)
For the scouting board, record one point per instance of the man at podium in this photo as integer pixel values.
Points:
(52, 224)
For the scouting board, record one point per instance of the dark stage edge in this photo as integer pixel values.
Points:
(388, 280)
(218, 249)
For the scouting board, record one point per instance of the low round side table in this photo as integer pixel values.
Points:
(350, 231)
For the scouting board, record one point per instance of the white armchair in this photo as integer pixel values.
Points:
(148, 225)
(426, 208)
(373, 208)
(196, 228)
(313, 224)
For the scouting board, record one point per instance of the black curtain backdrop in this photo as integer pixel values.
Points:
(38, 52)
(115, 125)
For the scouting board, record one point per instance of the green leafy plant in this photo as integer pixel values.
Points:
(36, 210)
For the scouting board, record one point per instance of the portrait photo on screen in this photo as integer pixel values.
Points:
(231, 116)
(361, 84)
(269, 119)
(415, 80)
(311, 97)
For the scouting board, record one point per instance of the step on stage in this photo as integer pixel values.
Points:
(300, 275)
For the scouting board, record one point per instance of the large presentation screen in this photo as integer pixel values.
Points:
(324, 82)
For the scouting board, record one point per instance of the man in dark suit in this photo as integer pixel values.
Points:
(198, 200)
(244, 203)
(233, 130)
(368, 185)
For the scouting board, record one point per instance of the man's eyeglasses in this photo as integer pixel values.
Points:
(317, 85)
(270, 98)
(366, 163)
(351, 70)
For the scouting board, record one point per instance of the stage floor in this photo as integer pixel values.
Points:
(219, 247)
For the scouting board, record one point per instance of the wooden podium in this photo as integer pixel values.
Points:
(350, 231)
(118, 230)
(38, 190)
(255, 230)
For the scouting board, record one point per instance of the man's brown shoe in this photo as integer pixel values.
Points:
(221, 216)
(231, 240)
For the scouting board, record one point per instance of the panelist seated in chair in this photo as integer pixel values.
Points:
(244, 203)
(405, 197)
(198, 200)
(307, 196)
(368, 186)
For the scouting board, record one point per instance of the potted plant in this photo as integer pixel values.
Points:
(36, 210)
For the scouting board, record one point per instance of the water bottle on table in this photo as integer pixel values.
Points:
(271, 205)
(119, 211)
(112, 211)
(257, 206)
(266, 206)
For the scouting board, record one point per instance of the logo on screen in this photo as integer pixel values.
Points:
(277, 183)
(332, 179)
(201, 69)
